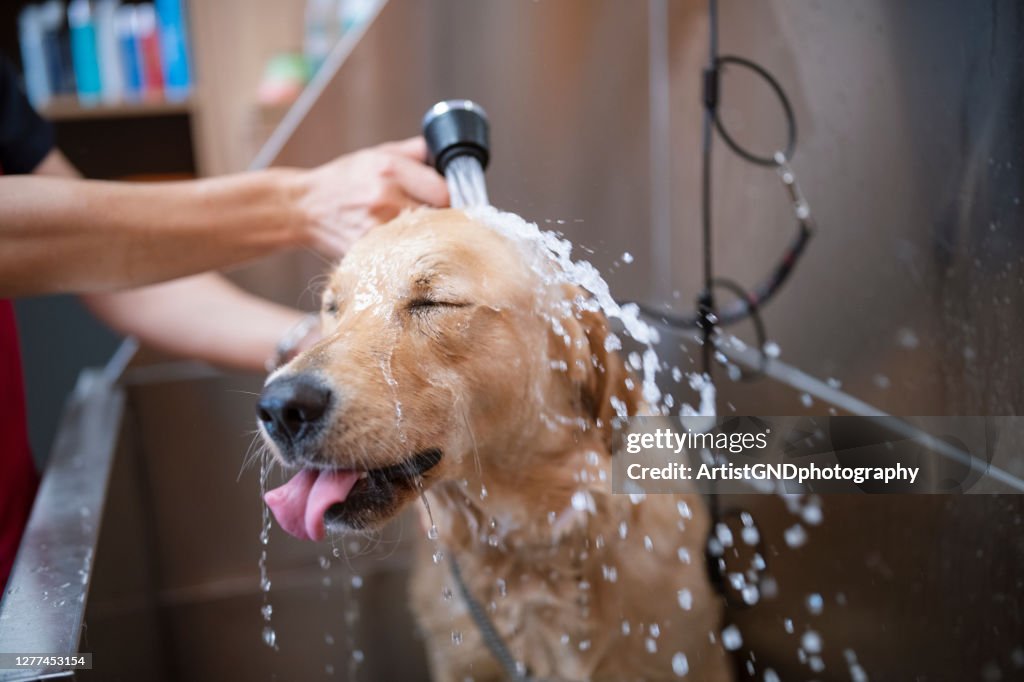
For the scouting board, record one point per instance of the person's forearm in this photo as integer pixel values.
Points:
(90, 236)
(204, 317)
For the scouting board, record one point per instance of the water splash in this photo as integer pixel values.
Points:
(680, 664)
(466, 183)
(550, 257)
(432, 533)
(266, 609)
(389, 377)
(352, 616)
(731, 638)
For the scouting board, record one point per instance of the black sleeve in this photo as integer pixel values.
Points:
(25, 138)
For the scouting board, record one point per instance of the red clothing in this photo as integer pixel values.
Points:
(25, 139)
(18, 478)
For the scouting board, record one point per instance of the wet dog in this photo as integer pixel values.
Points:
(453, 366)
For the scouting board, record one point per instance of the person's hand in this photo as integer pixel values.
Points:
(341, 200)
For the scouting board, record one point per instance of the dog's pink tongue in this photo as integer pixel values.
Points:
(300, 504)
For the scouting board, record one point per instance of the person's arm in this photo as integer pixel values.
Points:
(71, 235)
(84, 235)
(204, 317)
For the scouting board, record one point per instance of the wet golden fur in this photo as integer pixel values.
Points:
(435, 336)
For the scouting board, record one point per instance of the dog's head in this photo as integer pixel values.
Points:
(447, 355)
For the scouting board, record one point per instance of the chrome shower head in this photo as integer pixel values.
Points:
(453, 128)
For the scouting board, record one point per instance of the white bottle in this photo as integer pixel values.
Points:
(321, 32)
(107, 48)
(354, 13)
(30, 36)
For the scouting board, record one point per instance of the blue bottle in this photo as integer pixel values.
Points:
(131, 72)
(83, 52)
(174, 49)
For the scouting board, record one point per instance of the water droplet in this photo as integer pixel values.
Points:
(771, 349)
(650, 645)
(731, 638)
(584, 645)
(328, 639)
(750, 535)
(655, 630)
(812, 515)
(795, 536)
(325, 563)
(269, 636)
(358, 655)
(267, 610)
(907, 338)
(724, 534)
(811, 642)
(806, 400)
(432, 532)
(627, 257)
(438, 556)
(357, 582)
(680, 666)
(684, 510)
(771, 676)
(446, 593)
(456, 637)
(683, 554)
(685, 598)
(625, 628)
(583, 501)
(815, 604)
(787, 624)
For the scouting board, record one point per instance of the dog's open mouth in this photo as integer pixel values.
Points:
(315, 498)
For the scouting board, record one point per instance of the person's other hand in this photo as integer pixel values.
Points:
(341, 200)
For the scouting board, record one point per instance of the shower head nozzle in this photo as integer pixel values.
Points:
(454, 128)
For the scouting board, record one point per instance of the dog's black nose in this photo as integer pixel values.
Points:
(292, 407)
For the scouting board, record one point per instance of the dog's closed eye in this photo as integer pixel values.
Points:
(420, 306)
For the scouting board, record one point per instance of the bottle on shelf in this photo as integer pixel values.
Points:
(83, 52)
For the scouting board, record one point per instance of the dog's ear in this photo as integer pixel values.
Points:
(605, 386)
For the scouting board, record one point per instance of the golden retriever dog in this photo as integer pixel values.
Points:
(454, 367)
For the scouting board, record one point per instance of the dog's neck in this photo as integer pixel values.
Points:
(552, 504)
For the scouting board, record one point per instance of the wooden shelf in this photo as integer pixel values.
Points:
(68, 108)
